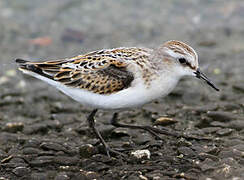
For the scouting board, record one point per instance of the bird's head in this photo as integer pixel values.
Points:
(182, 60)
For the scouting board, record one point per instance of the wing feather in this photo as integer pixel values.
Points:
(102, 72)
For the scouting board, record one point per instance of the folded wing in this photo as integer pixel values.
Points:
(97, 72)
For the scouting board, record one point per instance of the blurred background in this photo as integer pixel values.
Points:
(44, 29)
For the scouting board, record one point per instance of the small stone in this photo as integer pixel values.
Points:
(30, 150)
(230, 153)
(203, 156)
(239, 147)
(32, 143)
(89, 174)
(164, 121)
(143, 177)
(17, 160)
(106, 130)
(239, 87)
(139, 154)
(62, 176)
(156, 175)
(183, 142)
(39, 176)
(52, 146)
(120, 132)
(42, 161)
(237, 124)
(210, 130)
(21, 171)
(14, 127)
(36, 128)
(205, 108)
(87, 150)
(218, 124)
(133, 177)
(65, 160)
(220, 116)
(142, 139)
(186, 151)
(213, 150)
(224, 132)
(207, 165)
(229, 106)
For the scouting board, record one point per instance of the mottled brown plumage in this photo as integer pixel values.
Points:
(102, 72)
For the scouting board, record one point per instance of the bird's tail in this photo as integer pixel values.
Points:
(46, 69)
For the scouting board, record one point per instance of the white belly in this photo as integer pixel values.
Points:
(134, 96)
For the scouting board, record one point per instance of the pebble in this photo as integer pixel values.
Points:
(237, 124)
(21, 171)
(14, 127)
(203, 109)
(239, 87)
(62, 176)
(183, 142)
(229, 106)
(30, 151)
(213, 150)
(105, 130)
(156, 175)
(143, 139)
(32, 143)
(224, 132)
(143, 177)
(87, 150)
(36, 128)
(186, 151)
(207, 165)
(218, 124)
(139, 154)
(231, 153)
(42, 161)
(164, 121)
(203, 156)
(220, 116)
(89, 174)
(66, 160)
(6, 138)
(120, 132)
(39, 176)
(52, 146)
(239, 147)
(17, 160)
(210, 130)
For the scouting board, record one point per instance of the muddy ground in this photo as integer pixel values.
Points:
(43, 133)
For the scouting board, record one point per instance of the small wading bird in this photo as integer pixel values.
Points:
(120, 78)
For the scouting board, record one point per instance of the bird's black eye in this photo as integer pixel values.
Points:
(182, 60)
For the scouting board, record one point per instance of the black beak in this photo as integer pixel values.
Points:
(200, 75)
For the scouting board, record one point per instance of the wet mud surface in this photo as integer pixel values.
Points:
(44, 134)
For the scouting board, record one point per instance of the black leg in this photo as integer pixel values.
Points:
(154, 131)
(91, 123)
